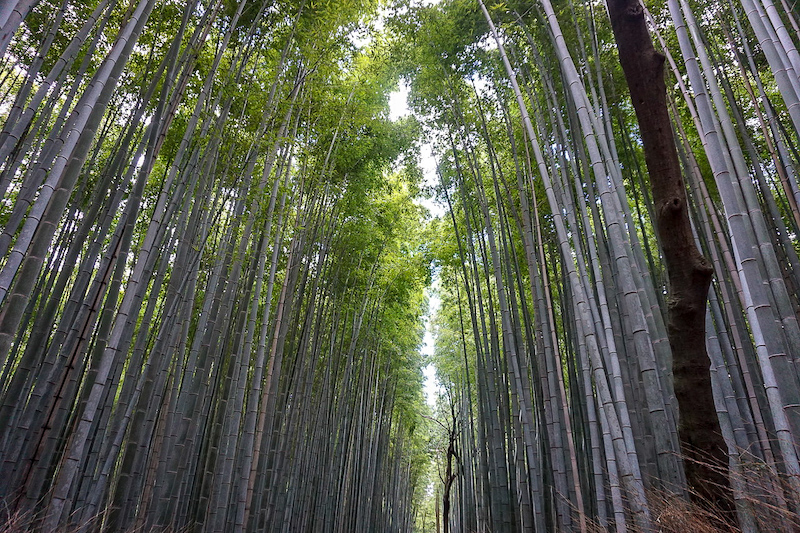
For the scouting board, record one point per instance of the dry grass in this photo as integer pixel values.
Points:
(766, 503)
(24, 522)
(676, 515)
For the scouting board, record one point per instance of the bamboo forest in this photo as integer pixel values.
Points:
(433, 266)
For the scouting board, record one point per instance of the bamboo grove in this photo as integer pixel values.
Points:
(193, 314)
(213, 263)
(559, 409)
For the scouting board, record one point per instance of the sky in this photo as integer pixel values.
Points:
(398, 107)
(431, 385)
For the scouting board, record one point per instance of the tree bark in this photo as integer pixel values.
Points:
(689, 273)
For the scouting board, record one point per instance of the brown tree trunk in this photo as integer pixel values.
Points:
(689, 272)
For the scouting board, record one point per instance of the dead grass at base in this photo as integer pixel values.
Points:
(766, 502)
